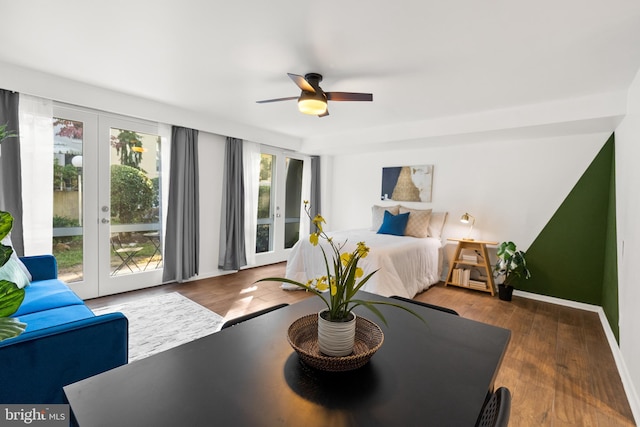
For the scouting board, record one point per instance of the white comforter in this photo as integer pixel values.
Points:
(406, 265)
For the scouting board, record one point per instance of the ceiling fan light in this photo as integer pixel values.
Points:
(312, 104)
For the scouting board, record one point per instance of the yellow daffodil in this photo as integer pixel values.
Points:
(321, 284)
(359, 272)
(317, 221)
(334, 289)
(345, 258)
(313, 238)
(363, 250)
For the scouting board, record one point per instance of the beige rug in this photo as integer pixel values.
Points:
(162, 322)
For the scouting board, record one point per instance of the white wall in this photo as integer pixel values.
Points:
(628, 205)
(511, 187)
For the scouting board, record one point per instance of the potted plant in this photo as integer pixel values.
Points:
(512, 265)
(10, 295)
(343, 280)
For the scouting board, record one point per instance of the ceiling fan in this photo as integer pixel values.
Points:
(313, 100)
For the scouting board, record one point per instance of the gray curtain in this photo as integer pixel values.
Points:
(181, 246)
(232, 253)
(10, 170)
(314, 198)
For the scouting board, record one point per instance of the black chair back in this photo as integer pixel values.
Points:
(496, 411)
(246, 317)
(425, 304)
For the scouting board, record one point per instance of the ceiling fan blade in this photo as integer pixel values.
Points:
(277, 99)
(301, 82)
(349, 96)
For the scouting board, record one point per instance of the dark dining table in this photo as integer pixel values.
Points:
(433, 374)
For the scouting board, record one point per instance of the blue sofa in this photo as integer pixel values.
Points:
(64, 341)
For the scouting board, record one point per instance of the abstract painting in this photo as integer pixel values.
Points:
(407, 183)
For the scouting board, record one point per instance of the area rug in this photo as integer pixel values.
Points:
(162, 322)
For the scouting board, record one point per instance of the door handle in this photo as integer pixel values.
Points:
(105, 221)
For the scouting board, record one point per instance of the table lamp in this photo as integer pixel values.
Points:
(468, 219)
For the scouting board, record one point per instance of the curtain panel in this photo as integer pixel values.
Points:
(251, 176)
(232, 254)
(36, 152)
(10, 169)
(314, 198)
(181, 243)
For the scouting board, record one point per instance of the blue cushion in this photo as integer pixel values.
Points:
(46, 294)
(55, 316)
(394, 224)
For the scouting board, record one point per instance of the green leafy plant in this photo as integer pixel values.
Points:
(131, 194)
(5, 133)
(511, 264)
(343, 279)
(10, 295)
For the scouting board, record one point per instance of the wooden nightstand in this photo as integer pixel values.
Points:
(459, 270)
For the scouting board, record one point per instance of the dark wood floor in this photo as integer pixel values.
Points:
(559, 366)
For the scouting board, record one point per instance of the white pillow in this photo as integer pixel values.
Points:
(7, 242)
(377, 214)
(436, 224)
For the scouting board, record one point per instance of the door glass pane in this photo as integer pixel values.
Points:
(135, 202)
(264, 237)
(67, 198)
(293, 202)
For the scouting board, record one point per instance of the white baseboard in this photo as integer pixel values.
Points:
(630, 390)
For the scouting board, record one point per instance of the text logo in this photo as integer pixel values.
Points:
(34, 415)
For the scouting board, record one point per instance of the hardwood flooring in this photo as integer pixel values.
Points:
(558, 366)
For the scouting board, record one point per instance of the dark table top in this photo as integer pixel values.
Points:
(248, 375)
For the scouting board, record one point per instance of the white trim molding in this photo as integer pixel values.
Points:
(630, 390)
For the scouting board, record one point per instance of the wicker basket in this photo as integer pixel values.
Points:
(303, 337)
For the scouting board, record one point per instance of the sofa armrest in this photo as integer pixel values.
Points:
(36, 365)
(41, 267)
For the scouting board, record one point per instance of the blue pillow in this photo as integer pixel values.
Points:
(394, 224)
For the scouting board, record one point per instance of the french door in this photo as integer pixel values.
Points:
(107, 225)
(283, 187)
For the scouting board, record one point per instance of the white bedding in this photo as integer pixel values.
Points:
(406, 265)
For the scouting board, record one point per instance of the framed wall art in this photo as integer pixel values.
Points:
(407, 183)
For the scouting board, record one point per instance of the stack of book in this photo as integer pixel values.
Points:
(461, 276)
(470, 258)
(477, 284)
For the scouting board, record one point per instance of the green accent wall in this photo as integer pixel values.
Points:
(574, 257)
(610, 280)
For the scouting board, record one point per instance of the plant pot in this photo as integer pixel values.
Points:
(336, 338)
(505, 292)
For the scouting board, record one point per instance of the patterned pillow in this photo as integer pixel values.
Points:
(418, 225)
(377, 215)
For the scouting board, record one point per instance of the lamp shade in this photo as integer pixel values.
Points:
(312, 103)
(468, 219)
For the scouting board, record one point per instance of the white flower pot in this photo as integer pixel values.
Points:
(336, 338)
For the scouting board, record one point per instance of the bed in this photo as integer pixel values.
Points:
(407, 264)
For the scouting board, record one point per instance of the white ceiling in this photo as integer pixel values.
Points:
(423, 60)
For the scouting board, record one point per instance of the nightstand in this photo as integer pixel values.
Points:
(462, 264)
